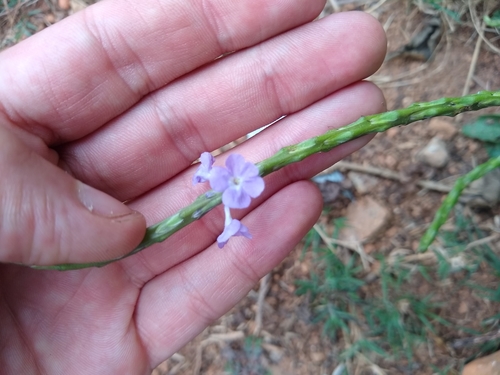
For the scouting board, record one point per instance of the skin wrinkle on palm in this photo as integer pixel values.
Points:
(298, 152)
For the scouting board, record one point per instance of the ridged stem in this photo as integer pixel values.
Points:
(452, 198)
(291, 154)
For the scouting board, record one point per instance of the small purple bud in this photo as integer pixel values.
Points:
(203, 172)
(232, 228)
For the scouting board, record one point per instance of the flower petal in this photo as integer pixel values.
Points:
(248, 170)
(234, 197)
(253, 186)
(234, 164)
(207, 159)
(197, 178)
(202, 174)
(219, 179)
(243, 231)
(234, 228)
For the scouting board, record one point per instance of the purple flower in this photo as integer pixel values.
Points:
(203, 172)
(232, 227)
(238, 182)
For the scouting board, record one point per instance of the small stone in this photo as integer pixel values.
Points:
(415, 244)
(473, 146)
(443, 128)
(369, 248)
(317, 358)
(49, 18)
(484, 192)
(329, 190)
(162, 368)
(363, 183)
(407, 101)
(63, 4)
(403, 306)
(304, 269)
(392, 232)
(77, 5)
(435, 153)
(390, 161)
(463, 308)
(489, 365)
(366, 219)
(275, 352)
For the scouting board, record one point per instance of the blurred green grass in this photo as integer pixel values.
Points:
(388, 317)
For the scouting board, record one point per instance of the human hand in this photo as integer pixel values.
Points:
(124, 96)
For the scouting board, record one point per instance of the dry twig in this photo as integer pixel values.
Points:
(479, 28)
(388, 174)
(482, 241)
(354, 246)
(217, 338)
(473, 63)
(476, 340)
(263, 289)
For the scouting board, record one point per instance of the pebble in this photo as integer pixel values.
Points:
(407, 101)
(443, 128)
(435, 153)
(77, 5)
(64, 4)
(317, 357)
(362, 182)
(485, 191)
(366, 218)
(489, 365)
(330, 191)
(49, 18)
(275, 352)
(463, 308)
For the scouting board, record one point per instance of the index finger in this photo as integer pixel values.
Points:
(89, 68)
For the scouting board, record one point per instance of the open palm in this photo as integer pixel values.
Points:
(123, 97)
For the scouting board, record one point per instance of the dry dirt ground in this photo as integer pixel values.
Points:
(279, 323)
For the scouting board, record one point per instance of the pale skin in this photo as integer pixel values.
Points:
(123, 97)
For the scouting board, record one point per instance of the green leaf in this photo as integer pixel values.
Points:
(484, 128)
(493, 149)
(494, 20)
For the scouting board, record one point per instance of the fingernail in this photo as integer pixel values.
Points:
(101, 203)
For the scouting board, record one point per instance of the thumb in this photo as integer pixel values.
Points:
(48, 217)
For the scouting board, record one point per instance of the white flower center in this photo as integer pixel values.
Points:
(236, 181)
